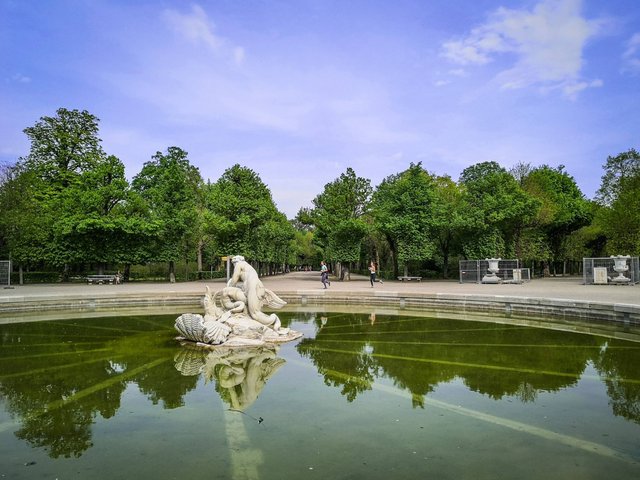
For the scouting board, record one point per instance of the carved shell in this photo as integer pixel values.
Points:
(215, 333)
(191, 327)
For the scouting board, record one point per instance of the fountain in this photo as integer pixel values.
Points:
(233, 316)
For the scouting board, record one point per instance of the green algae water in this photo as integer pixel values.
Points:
(361, 395)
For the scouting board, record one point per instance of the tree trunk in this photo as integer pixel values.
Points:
(445, 266)
(444, 249)
(20, 276)
(199, 257)
(343, 272)
(545, 269)
(127, 271)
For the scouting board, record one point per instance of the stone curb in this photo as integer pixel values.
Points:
(503, 305)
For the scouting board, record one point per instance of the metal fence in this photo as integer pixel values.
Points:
(603, 271)
(5, 272)
(509, 271)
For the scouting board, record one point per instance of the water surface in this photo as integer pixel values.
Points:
(360, 396)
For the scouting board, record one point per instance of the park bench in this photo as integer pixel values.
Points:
(408, 279)
(91, 279)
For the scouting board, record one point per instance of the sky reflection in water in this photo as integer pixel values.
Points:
(360, 395)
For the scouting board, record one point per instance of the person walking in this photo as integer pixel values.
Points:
(324, 274)
(372, 274)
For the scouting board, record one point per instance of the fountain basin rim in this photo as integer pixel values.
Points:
(512, 305)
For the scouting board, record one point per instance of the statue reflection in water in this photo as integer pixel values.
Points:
(240, 373)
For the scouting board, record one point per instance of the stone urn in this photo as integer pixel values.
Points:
(493, 269)
(620, 266)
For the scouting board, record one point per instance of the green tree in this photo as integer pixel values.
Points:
(244, 220)
(402, 209)
(102, 224)
(480, 172)
(68, 196)
(169, 186)
(498, 209)
(304, 219)
(621, 221)
(449, 220)
(616, 169)
(64, 146)
(337, 215)
(274, 238)
(589, 241)
(563, 207)
(24, 232)
(304, 249)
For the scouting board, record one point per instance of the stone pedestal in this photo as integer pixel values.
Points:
(620, 266)
(491, 277)
(600, 276)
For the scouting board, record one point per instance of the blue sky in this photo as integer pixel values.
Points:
(300, 90)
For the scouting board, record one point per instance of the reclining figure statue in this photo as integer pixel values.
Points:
(233, 316)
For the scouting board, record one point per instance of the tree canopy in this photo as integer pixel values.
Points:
(616, 169)
(168, 186)
(243, 220)
(498, 209)
(562, 206)
(68, 204)
(338, 216)
(403, 211)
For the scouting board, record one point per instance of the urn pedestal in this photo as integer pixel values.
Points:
(620, 266)
(491, 277)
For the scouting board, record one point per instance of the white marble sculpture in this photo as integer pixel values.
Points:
(234, 317)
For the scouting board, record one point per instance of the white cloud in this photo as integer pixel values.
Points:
(465, 52)
(571, 89)
(458, 72)
(197, 28)
(20, 78)
(631, 56)
(545, 46)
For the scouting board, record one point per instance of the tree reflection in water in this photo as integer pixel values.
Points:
(57, 377)
(617, 362)
(351, 351)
